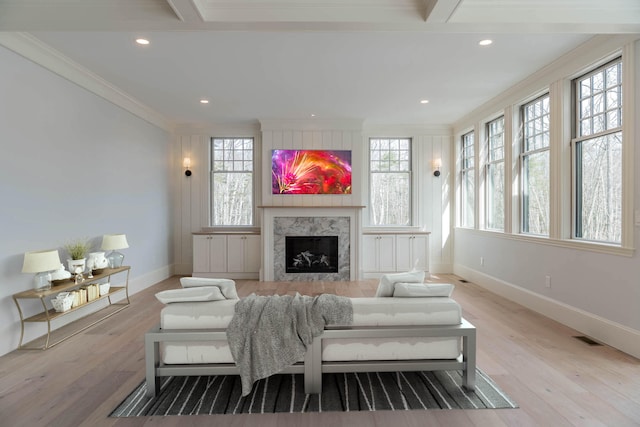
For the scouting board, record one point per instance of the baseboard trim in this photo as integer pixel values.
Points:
(611, 333)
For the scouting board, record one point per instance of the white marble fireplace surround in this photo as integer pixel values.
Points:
(281, 221)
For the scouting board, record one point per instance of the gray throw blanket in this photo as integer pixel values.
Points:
(269, 333)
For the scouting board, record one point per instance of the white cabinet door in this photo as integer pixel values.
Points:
(387, 253)
(201, 253)
(404, 254)
(243, 254)
(218, 254)
(420, 252)
(412, 248)
(379, 253)
(235, 254)
(209, 254)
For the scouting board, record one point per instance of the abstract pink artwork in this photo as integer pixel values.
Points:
(311, 172)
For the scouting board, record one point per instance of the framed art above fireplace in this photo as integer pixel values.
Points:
(311, 172)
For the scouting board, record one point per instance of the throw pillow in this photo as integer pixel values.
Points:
(387, 281)
(404, 290)
(227, 286)
(203, 293)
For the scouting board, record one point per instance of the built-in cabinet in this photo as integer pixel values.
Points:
(379, 253)
(233, 256)
(394, 252)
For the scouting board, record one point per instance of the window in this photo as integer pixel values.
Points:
(597, 153)
(534, 159)
(495, 175)
(467, 172)
(390, 169)
(232, 181)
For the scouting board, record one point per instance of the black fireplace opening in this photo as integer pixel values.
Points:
(311, 254)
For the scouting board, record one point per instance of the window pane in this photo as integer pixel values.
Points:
(468, 200)
(495, 196)
(599, 208)
(536, 193)
(495, 175)
(232, 181)
(390, 199)
(233, 199)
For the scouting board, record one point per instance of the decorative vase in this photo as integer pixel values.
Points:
(97, 260)
(75, 263)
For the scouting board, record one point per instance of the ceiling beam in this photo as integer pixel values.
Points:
(439, 11)
(189, 11)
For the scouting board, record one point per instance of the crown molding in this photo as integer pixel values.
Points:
(33, 49)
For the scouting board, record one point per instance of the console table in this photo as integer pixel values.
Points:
(49, 314)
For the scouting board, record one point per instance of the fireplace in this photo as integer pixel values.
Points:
(311, 254)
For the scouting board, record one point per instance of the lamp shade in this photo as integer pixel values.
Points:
(39, 261)
(114, 241)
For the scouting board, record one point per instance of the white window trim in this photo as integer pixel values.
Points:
(560, 203)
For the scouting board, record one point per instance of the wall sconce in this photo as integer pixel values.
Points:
(186, 162)
(436, 166)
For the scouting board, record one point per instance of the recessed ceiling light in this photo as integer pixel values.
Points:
(424, 101)
(204, 101)
(142, 41)
(485, 42)
(313, 115)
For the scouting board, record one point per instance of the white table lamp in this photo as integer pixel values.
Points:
(42, 263)
(113, 242)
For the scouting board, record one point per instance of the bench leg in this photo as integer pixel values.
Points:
(469, 359)
(152, 360)
(313, 367)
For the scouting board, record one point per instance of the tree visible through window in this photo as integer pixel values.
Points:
(598, 154)
(495, 175)
(535, 166)
(467, 174)
(390, 170)
(232, 181)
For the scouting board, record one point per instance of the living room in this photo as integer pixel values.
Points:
(98, 161)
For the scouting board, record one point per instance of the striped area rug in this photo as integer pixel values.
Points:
(340, 392)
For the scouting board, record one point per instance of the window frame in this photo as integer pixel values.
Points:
(467, 168)
(410, 183)
(579, 138)
(524, 157)
(213, 172)
(491, 162)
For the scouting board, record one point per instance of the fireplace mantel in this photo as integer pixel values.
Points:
(269, 251)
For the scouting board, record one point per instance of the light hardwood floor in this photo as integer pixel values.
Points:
(556, 379)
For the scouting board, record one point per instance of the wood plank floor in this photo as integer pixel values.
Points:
(557, 380)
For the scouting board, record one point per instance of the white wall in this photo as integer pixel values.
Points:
(594, 292)
(74, 165)
(433, 211)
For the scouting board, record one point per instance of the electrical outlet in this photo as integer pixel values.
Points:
(481, 260)
(547, 281)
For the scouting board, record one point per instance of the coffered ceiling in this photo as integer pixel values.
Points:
(368, 59)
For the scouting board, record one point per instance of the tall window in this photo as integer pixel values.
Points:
(390, 169)
(535, 166)
(468, 180)
(597, 150)
(232, 181)
(495, 175)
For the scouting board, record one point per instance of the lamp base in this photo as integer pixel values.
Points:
(115, 259)
(42, 281)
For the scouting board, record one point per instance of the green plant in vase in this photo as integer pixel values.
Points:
(78, 250)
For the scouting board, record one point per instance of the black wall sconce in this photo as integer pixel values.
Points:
(186, 162)
(437, 163)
